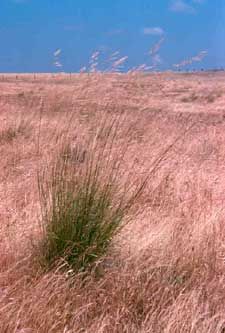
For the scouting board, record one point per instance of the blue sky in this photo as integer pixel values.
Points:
(32, 30)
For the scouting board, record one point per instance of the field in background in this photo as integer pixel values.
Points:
(165, 272)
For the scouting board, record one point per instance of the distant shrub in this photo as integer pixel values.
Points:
(189, 99)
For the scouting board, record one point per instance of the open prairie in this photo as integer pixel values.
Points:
(165, 270)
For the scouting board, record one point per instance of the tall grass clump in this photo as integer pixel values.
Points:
(85, 198)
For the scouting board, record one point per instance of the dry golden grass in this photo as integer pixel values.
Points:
(165, 270)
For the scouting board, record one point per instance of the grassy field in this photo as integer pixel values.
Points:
(157, 142)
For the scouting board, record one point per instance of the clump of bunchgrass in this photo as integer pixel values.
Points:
(84, 204)
(21, 128)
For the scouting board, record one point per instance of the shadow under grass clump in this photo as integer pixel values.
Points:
(84, 205)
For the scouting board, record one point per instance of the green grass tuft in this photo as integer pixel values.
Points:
(83, 204)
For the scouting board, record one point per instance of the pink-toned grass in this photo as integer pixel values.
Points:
(165, 270)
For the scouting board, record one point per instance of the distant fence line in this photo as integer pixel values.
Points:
(37, 76)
